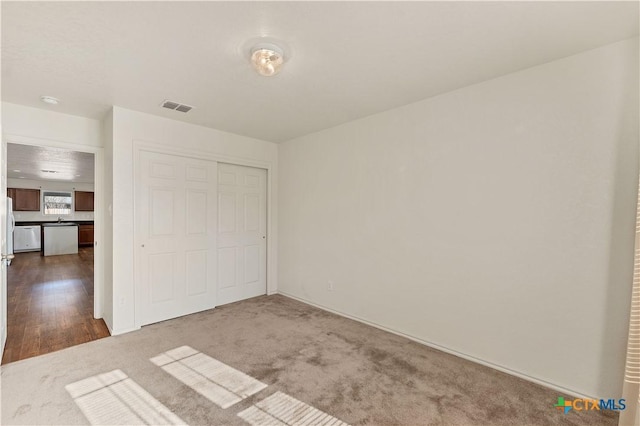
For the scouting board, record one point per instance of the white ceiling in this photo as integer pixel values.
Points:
(346, 59)
(52, 164)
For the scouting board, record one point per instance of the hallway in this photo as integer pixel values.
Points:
(50, 304)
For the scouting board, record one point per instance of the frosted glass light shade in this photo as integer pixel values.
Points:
(267, 60)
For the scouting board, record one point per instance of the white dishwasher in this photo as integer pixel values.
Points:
(26, 238)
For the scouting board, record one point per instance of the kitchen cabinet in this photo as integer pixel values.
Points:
(24, 200)
(84, 201)
(85, 235)
(60, 238)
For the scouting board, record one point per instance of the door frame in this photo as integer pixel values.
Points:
(141, 145)
(98, 253)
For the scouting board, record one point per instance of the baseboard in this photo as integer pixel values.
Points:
(118, 332)
(564, 391)
(4, 341)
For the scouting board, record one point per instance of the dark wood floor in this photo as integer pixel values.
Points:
(50, 304)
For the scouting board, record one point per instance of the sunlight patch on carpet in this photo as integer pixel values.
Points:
(281, 410)
(216, 381)
(114, 399)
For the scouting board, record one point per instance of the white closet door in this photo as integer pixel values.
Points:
(242, 232)
(175, 236)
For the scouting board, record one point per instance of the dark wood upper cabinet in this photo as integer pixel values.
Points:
(84, 201)
(24, 200)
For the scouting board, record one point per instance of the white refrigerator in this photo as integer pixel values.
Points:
(11, 224)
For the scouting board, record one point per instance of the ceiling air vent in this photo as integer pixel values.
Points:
(176, 106)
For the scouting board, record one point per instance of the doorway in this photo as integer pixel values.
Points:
(51, 294)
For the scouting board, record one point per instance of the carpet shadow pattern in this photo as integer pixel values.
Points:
(357, 373)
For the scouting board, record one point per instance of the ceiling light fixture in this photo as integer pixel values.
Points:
(267, 59)
(49, 100)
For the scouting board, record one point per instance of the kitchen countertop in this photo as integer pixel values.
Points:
(44, 223)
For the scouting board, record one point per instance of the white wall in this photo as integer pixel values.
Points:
(130, 126)
(50, 186)
(495, 221)
(38, 123)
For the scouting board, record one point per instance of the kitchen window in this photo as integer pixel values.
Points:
(57, 203)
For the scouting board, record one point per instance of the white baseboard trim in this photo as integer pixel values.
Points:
(126, 330)
(564, 391)
(4, 341)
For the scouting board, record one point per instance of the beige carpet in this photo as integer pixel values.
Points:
(348, 370)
